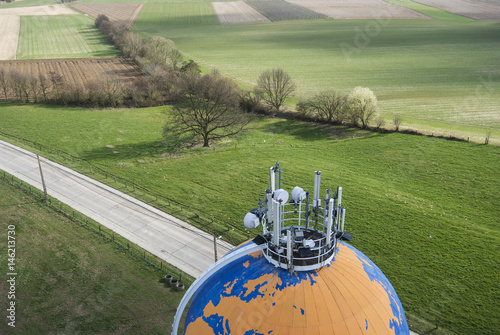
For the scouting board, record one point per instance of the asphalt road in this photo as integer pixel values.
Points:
(174, 241)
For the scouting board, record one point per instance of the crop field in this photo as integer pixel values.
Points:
(9, 35)
(61, 36)
(76, 71)
(280, 10)
(359, 9)
(237, 12)
(37, 10)
(154, 19)
(476, 9)
(120, 13)
(423, 209)
(10, 25)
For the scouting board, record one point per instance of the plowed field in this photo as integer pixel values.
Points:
(117, 12)
(359, 9)
(78, 71)
(235, 12)
(475, 9)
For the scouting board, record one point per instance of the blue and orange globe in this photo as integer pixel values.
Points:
(250, 296)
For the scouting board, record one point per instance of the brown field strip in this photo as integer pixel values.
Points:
(76, 71)
(237, 12)
(116, 12)
(475, 9)
(359, 9)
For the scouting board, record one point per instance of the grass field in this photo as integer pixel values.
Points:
(65, 36)
(439, 75)
(70, 281)
(423, 209)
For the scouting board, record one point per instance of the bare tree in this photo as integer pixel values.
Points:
(397, 121)
(43, 84)
(327, 106)
(275, 86)
(362, 105)
(379, 122)
(33, 86)
(132, 45)
(20, 85)
(4, 82)
(208, 110)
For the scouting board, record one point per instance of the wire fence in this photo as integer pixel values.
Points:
(132, 250)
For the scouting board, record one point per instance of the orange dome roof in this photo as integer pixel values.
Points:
(350, 295)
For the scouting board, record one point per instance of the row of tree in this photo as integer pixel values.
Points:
(27, 87)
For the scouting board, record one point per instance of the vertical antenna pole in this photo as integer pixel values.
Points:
(272, 182)
(43, 181)
(277, 222)
(329, 222)
(317, 184)
(289, 247)
(307, 210)
(343, 219)
(339, 207)
(339, 196)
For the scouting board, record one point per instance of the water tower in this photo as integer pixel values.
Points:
(298, 277)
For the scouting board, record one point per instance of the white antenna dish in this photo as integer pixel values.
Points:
(298, 194)
(281, 196)
(251, 220)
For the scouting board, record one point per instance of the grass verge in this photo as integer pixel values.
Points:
(72, 277)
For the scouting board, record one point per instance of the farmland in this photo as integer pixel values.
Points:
(359, 9)
(476, 9)
(9, 36)
(236, 12)
(42, 37)
(120, 13)
(280, 10)
(75, 71)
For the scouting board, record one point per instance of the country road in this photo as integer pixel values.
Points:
(172, 240)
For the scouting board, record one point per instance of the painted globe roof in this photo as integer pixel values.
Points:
(350, 295)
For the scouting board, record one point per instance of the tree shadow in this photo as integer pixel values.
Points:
(313, 131)
(138, 151)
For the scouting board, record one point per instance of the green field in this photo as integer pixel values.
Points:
(441, 75)
(64, 36)
(71, 281)
(423, 209)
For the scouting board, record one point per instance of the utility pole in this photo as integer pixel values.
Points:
(43, 181)
(215, 248)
